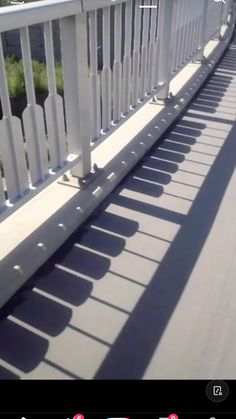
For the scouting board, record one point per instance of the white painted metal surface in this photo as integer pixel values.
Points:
(166, 31)
(76, 89)
(95, 117)
(136, 54)
(2, 195)
(117, 66)
(150, 44)
(68, 207)
(177, 28)
(12, 148)
(216, 14)
(54, 107)
(127, 59)
(97, 4)
(106, 71)
(144, 50)
(13, 17)
(202, 32)
(226, 11)
(152, 49)
(33, 118)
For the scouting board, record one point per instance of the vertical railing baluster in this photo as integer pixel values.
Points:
(193, 29)
(227, 10)
(33, 118)
(202, 31)
(213, 20)
(218, 20)
(180, 34)
(212, 16)
(198, 41)
(198, 27)
(156, 50)
(177, 38)
(127, 58)
(151, 48)
(136, 54)
(117, 66)
(74, 41)
(208, 22)
(166, 10)
(144, 50)
(182, 37)
(226, 5)
(187, 32)
(53, 106)
(2, 194)
(49, 53)
(190, 52)
(11, 144)
(106, 71)
(221, 14)
(195, 35)
(95, 104)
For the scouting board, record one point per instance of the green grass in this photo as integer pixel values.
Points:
(15, 76)
(16, 80)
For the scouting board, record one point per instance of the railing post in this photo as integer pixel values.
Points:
(230, 4)
(202, 33)
(165, 32)
(76, 88)
(221, 13)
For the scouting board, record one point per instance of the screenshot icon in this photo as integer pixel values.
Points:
(217, 391)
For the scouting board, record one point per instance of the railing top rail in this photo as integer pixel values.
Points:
(13, 17)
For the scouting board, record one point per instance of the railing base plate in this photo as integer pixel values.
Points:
(81, 182)
(165, 101)
(202, 60)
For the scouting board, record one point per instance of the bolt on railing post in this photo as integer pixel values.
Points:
(73, 31)
(165, 34)
(202, 32)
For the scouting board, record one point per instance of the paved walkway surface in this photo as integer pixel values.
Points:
(147, 288)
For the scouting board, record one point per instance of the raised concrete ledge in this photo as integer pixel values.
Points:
(33, 233)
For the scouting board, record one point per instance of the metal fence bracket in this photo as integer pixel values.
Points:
(68, 179)
(165, 101)
(89, 178)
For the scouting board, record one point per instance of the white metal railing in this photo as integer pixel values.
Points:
(142, 49)
(214, 14)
